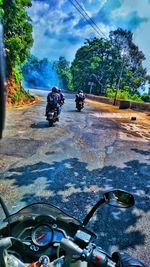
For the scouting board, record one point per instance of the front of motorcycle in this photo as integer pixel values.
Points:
(43, 234)
(52, 117)
(80, 98)
(80, 105)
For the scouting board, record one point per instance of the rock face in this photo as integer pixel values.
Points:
(15, 93)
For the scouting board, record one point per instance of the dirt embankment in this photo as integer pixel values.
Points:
(122, 115)
(16, 95)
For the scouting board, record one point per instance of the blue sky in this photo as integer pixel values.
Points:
(59, 29)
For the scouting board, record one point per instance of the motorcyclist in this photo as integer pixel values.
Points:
(122, 259)
(62, 98)
(80, 96)
(53, 100)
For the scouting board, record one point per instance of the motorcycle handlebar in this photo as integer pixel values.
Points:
(92, 254)
(100, 259)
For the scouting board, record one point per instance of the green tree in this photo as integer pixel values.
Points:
(101, 65)
(95, 63)
(17, 32)
(1, 10)
(17, 40)
(146, 97)
(134, 74)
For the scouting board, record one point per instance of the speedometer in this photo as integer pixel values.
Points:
(42, 235)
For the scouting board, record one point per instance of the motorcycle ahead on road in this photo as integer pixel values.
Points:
(52, 117)
(80, 105)
(52, 113)
(41, 233)
(80, 97)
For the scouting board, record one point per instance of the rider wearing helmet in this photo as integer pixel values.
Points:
(53, 100)
(55, 89)
(80, 96)
(62, 98)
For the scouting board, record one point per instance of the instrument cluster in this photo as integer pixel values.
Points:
(43, 235)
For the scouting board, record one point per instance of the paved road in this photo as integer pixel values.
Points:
(72, 164)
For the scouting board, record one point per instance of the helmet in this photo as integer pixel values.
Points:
(55, 89)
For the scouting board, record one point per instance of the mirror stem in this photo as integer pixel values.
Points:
(92, 211)
(4, 208)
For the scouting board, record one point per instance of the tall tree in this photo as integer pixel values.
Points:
(100, 63)
(94, 63)
(17, 32)
(17, 38)
(134, 74)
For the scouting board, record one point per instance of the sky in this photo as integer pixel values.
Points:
(59, 29)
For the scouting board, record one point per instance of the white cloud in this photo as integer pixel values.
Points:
(141, 34)
(55, 30)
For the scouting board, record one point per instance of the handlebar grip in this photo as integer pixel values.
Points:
(100, 259)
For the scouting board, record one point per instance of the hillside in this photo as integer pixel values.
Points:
(16, 94)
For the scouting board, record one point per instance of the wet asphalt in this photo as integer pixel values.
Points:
(71, 164)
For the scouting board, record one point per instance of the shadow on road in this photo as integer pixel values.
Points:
(72, 111)
(39, 125)
(142, 152)
(72, 187)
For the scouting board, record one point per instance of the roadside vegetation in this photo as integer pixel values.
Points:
(17, 43)
(100, 67)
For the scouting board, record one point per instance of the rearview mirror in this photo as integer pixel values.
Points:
(119, 198)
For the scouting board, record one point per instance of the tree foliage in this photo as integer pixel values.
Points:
(17, 32)
(146, 97)
(97, 65)
(134, 74)
(17, 42)
(94, 63)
